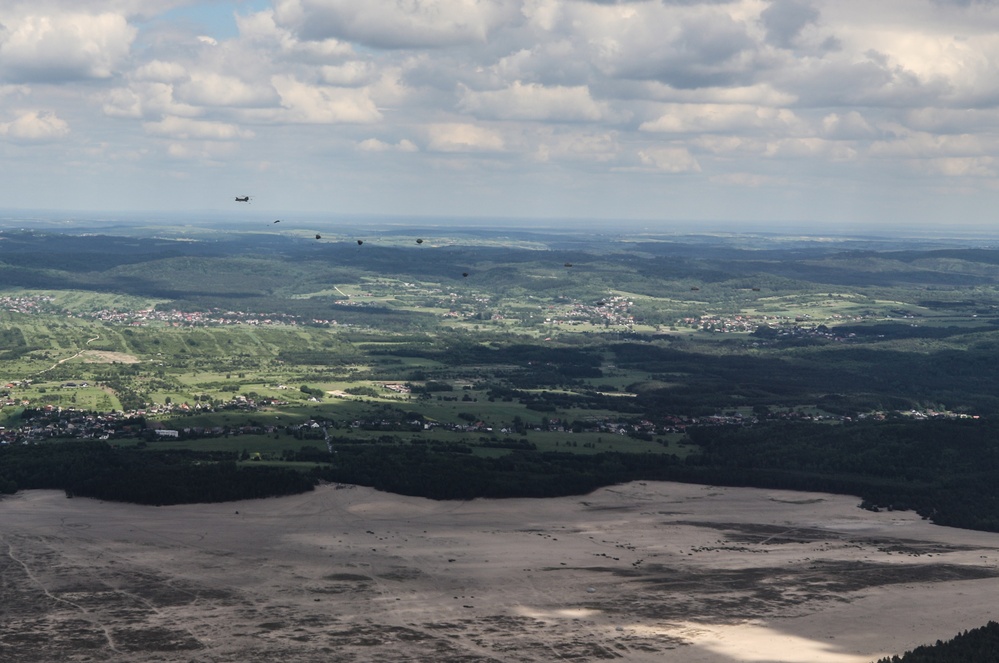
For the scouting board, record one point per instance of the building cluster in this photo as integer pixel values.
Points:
(612, 312)
(174, 318)
(27, 304)
(35, 304)
(56, 422)
(51, 421)
(783, 325)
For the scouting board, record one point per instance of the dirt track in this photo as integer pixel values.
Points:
(641, 572)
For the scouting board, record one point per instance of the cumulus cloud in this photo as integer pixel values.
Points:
(979, 167)
(159, 71)
(785, 19)
(349, 74)
(458, 137)
(34, 126)
(145, 100)
(921, 144)
(187, 128)
(315, 104)
(213, 89)
(810, 148)
(63, 47)
(698, 118)
(531, 101)
(684, 49)
(375, 145)
(577, 146)
(390, 24)
(850, 125)
(669, 159)
(600, 88)
(262, 31)
(752, 180)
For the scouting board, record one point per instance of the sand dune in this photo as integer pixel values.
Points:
(640, 572)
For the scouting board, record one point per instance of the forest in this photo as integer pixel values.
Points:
(978, 645)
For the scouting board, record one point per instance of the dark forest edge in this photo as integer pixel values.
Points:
(979, 645)
(943, 470)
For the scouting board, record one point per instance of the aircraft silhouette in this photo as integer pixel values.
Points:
(318, 236)
(278, 221)
(242, 199)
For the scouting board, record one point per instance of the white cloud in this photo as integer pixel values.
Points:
(958, 166)
(34, 126)
(532, 102)
(577, 146)
(159, 71)
(63, 47)
(669, 159)
(847, 126)
(582, 91)
(919, 144)
(349, 74)
(457, 137)
(952, 120)
(375, 145)
(144, 100)
(810, 148)
(187, 128)
(685, 47)
(260, 29)
(730, 146)
(715, 118)
(391, 24)
(213, 89)
(314, 104)
(752, 180)
(759, 94)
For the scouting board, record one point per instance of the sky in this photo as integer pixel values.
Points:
(845, 113)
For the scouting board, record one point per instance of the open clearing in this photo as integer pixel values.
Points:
(640, 572)
(107, 357)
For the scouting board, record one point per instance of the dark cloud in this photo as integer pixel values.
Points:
(785, 19)
(873, 82)
(705, 53)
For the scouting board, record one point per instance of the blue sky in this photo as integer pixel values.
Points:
(216, 19)
(838, 113)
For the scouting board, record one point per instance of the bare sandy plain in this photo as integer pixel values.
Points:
(640, 572)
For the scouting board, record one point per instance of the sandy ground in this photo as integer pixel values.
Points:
(640, 572)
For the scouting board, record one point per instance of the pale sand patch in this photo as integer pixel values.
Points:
(108, 357)
(660, 572)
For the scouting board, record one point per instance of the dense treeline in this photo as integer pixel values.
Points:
(943, 469)
(979, 645)
(427, 472)
(95, 469)
(872, 379)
